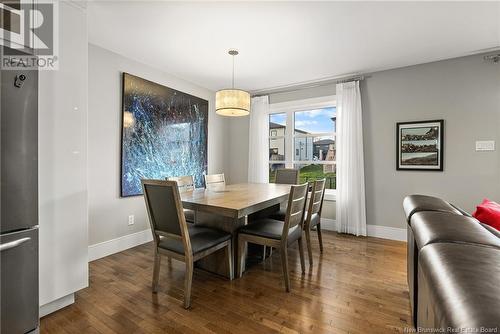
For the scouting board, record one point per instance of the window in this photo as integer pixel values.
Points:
(310, 147)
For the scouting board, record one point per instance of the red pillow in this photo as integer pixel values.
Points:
(488, 212)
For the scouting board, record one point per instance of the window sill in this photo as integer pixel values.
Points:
(330, 195)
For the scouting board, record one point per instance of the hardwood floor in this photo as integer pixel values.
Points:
(358, 285)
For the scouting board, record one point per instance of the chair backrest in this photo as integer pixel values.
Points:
(164, 206)
(316, 199)
(296, 208)
(215, 181)
(287, 176)
(185, 183)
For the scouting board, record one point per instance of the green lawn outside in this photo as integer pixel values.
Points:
(311, 173)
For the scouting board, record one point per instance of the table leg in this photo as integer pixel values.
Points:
(216, 262)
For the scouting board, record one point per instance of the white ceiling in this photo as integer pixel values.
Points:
(284, 43)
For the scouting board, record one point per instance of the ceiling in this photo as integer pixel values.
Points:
(283, 43)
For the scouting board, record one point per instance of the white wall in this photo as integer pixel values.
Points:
(108, 213)
(62, 127)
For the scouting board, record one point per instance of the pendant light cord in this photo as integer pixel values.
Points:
(233, 74)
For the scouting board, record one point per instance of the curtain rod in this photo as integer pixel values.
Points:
(295, 87)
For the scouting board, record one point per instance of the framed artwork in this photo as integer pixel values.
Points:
(164, 133)
(420, 145)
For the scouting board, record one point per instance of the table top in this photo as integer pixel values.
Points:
(236, 200)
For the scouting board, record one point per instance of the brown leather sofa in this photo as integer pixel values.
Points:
(453, 267)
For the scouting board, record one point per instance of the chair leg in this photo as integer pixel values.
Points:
(320, 238)
(301, 253)
(284, 264)
(188, 282)
(229, 258)
(156, 271)
(309, 247)
(241, 256)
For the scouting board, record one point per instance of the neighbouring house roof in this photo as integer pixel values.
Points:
(324, 142)
(273, 125)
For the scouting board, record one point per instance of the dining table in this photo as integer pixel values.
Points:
(227, 208)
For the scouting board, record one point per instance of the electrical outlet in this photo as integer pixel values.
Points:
(131, 220)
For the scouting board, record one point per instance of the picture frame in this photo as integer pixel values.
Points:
(420, 145)
(164, 133)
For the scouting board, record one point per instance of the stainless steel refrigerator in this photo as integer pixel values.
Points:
(19, 201)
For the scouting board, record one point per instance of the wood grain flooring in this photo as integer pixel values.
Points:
(358, 285)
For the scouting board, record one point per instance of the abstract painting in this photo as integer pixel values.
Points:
(164, 133)
(420, 145)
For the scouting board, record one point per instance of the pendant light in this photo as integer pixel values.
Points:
(232, 102)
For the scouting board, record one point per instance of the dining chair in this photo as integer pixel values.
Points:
(277, 234)
(176, 239)
(313, 215)
(185, 183)
(287, 176)
(284, 176)
(215, 181)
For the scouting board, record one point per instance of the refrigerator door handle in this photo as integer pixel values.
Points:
(13, 244)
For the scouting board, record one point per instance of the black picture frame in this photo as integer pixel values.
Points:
(414, 141)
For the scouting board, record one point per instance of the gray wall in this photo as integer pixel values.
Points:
(108, 213)
(465, 92)
(238, 150)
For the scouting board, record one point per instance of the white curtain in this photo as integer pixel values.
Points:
(258, 152)
(351, 210)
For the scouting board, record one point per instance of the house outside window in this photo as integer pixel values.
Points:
(310, 147)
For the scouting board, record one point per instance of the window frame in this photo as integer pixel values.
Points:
(289, 108)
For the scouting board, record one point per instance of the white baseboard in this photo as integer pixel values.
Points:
(120, 244)
(328, 224)
(56, 304)
(384, 232)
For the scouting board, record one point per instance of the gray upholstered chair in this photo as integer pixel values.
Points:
(185, 183)
(313, 215)
(277, 234)
(175, 238)
(215, 181)
(285, 176)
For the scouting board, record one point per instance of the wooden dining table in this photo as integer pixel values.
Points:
(228, 208)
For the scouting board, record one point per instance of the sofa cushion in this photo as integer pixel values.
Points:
(432, 227)
(459, 284)
(493, 230)
(416, 203)
(488, 212)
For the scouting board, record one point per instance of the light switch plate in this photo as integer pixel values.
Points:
(485, 145)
